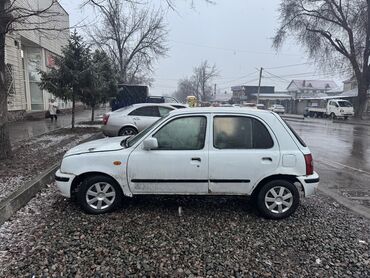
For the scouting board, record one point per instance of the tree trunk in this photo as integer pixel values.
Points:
(5, 146)
(92, 113)
(73, 109)
(360, 102)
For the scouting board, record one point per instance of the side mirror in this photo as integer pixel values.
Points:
(150, 144)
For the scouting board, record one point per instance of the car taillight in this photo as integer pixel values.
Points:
(309, 164)
(105, 119)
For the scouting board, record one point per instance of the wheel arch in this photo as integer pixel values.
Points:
(80, 178)
(128, 125)
(291, 178)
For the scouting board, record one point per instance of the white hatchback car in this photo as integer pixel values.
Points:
(196, 151)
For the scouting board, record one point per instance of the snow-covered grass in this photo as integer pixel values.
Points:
(47, 141)
(9, 182)
(36, 155)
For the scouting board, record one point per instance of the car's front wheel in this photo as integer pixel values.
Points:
(278, 199)
(99, 194)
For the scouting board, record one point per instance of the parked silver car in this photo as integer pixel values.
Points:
(132, 119)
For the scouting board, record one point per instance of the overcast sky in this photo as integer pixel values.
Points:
(233, 34)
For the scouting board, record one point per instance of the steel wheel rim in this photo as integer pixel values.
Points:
(100, 195)
(279, 199)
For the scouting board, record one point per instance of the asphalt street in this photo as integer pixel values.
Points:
(341, 155)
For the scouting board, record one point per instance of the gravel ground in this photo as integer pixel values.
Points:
(214, 237)
(48, 148)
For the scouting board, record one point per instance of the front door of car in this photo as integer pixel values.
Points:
(242, 152)
(180, 163)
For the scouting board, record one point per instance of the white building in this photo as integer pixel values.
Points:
(27, 52)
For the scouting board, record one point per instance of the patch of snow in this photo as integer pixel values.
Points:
(47, 141)
(9, 184)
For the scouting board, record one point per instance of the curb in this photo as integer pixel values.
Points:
(295, 117)
(351, 123)
(25, 193)
(359, 209)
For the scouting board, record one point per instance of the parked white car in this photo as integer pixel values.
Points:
(195, 151)
(132, 119)
(277, 108)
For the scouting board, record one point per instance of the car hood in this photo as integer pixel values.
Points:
(101, 145)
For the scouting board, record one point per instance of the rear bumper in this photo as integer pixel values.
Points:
(64, 182)
(309, 183)
(109, 130)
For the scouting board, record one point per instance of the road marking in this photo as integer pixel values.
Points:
(329, 162)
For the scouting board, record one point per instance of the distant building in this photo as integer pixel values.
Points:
(302, 91)
(27, 52)
(221, 97)
(245, 93)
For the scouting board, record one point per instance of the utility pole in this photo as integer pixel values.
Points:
(214, 90)
(259, 86)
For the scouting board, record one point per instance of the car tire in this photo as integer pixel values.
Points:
(99, 194)
(128, 130)
(332, 116)
(277, 199)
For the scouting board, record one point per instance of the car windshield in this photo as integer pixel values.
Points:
(135, 138)
(344, 103)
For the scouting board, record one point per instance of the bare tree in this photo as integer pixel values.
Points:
(203, 75)
(336, 34)
(134, 37)
(25, 16)
(186, 87)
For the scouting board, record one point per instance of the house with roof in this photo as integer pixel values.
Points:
(303, 91)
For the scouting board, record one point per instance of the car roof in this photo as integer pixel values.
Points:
(226, 110)
(137, 105)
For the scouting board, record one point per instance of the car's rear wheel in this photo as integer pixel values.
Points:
(332, 116)
(99, 194)
(277, 199)
(127, 131)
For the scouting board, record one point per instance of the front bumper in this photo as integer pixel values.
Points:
(64, 183)
(309, 183)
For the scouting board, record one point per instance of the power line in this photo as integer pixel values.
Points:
(232, 50)
(289, 66)
(236, 79)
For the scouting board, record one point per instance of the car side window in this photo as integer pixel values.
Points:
(187, 133)
(233, 132)
(163, 111)
(146, 111)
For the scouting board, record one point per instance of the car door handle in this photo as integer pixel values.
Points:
(267, 159)
(196, 159)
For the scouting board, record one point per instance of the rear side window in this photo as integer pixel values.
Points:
(163, 111)
(230, 132)
(300, 140)
(147, 111)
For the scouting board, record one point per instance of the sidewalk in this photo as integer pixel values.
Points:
(23, 130)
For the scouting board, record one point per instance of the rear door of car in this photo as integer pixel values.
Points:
(243, 150)
(144, 116)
